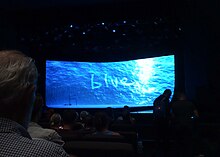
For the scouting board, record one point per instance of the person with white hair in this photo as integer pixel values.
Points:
(18, 84)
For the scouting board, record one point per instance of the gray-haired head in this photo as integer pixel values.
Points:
(18, 74)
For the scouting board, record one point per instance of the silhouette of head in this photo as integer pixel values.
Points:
(83, 114)
(69, 116)
(101, 121)
(55, 119)
(167, 93)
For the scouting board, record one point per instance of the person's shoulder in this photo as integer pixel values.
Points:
(115, 133)
(158, 100)
(45, 132)
(109, 132)
(47, 148)
(120, 118)
(50, 131)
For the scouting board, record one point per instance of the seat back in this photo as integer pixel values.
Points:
(99, 149)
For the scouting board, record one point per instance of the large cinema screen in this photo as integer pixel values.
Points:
(135, 83)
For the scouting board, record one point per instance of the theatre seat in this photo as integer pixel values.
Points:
(130, 137)
(99, 149)
(123, 127)
(69, 135)
(105, 138)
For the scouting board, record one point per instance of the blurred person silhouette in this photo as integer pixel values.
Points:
(111, 114)
(125, 117)
(18, 84)
(101, 123)
(82, 116)
(46, 114)
(70, 117)
(56, 121)
(37, 131)
(183, 110)
(161, 118)
(89, 125)
(161, 106)
(184, 119)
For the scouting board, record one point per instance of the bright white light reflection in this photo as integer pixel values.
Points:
(144, 70)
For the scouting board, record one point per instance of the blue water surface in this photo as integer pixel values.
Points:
(135, 83)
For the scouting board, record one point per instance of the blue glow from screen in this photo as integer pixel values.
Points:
(135, 83)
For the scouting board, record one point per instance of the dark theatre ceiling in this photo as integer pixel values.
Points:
(86, 28)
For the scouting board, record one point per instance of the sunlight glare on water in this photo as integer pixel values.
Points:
(144, 73)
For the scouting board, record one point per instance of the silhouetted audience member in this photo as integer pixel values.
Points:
(83, 115)
(56, 121)
(161, 106)
(110, 112)
(101, 123)
(35, 130)
(70, 120)
(125, 117)
(89, 125)
(18, 84)
(184, 114)
(161, 117)
(46, 114)
(183, 110)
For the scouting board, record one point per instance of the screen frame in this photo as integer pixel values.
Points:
(133, 108)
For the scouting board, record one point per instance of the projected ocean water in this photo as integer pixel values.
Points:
(135, 83)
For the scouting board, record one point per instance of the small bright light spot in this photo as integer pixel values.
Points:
(180, 29)
(84, 32)
(103, 23)
(113, 31)
(71, 26)
(124, 21)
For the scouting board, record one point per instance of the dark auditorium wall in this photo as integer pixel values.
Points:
(202, 56)
(7, 33)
